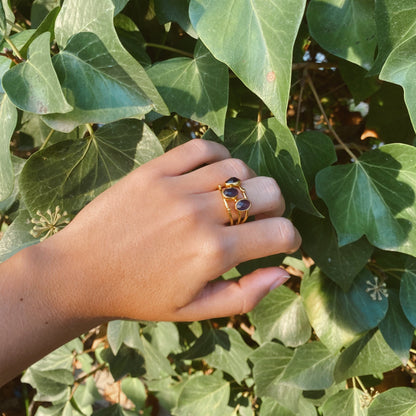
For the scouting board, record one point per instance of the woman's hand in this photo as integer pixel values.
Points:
(152, 246)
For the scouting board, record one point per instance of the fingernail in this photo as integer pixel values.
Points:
(282, 278)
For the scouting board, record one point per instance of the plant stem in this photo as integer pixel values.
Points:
(302, 87)
(13, 46)
(168, 48)
(15, 26)
(90, 130)
(360, 383)
(321, 108)
(47, 139)
(412, 351)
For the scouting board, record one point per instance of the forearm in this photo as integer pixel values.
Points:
(36, 315)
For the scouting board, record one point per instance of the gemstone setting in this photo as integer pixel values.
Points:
(230, 193)
(232, 181)
(242, 205)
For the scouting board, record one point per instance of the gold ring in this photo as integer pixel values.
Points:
(233, 191)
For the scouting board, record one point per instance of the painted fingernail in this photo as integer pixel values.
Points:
(282, 278)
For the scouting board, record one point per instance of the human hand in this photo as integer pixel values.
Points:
(151, 246)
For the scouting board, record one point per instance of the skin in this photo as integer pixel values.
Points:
(149, 248)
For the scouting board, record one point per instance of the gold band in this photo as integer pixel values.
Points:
(233, 191)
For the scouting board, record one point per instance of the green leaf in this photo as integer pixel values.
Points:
(6, 16)
(398, 401)
(281, 315)
(7, 203)
(71, 173)
(345, 28)
(270, 362)
(208, 394)
(270, 27)
(270, 407)
(396, 329)
(395, 24)
(178, 11)
(113, 410)
(345, 403)
(115, 72)
(123, 332)
(40, 9)
(400, 68)
(194, 88)
(316, 151)
(8, 120)
(135, 390)
(320, 241)
(33, 85)
(269, 149)
(223, 349)
(339, 317)
(368, 355)
(311, 367)
(164, 337)
(119, 5)
(374, 197)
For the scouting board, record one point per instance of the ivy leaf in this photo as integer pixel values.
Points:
(272, 27)
(281, 315)
(396, 329)
(408, 290)
(269, 149)
(113, 410)
(71, 173)
(395, 24)
(33, 85)
(8, 120)
(400, 68)
(6, 16)
(135, 390)
(164, 337)
(311, 367)
(194, 88)
(374, 197)
(345, 403)
(316, 152)
(320, 241)
(270, 407)
(345, 28)
(175, 12)
(123, 332)
(339, 317)
(368, 355)
(101, 69)
(40, 9)
(208, 394)
(397, 401)
(223, 349)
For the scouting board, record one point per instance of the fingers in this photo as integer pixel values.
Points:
(262, 238)
(189, 156)
(225, 298)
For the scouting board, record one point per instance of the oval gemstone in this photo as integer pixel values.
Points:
(242, 205)
(232, 181)
(230, 192)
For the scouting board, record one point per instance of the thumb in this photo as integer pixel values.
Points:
(226, 298)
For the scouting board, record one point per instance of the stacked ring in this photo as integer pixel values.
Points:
(233, 191)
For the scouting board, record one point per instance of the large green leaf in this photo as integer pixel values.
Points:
(368, 355)
(408, 289)
(101, 69)
(398, 401)
(374, 196)
(400, 68)
(270, 407)
(6, 18)
(396, 329)
(269, 27)
(345, 28)
(311, 367)
(208, 394)
(281, 315)
(320, 241)
(8, 120)
(395, 21)
(71, 173)
(339, 317)
(269, 148)
(345, 403)
(40, 9)
(223, 349)
(135, 390)
(33, 85)
(194, 88)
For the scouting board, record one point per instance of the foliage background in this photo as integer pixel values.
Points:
(318, 94)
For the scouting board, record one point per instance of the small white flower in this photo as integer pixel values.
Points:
(377, 289)
(49, 223)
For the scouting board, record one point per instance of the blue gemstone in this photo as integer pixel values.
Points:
(242, 205)
(232, 181)
(230, 192)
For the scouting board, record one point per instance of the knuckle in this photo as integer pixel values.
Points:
(288, 236)
(270, 187)
(240, 169)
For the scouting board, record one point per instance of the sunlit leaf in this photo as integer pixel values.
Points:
(270, 26)
(340, 317)
(398, 401)
(345, 28)
(33, 85)
(374, 197)
(194, 88)
(345, 403)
